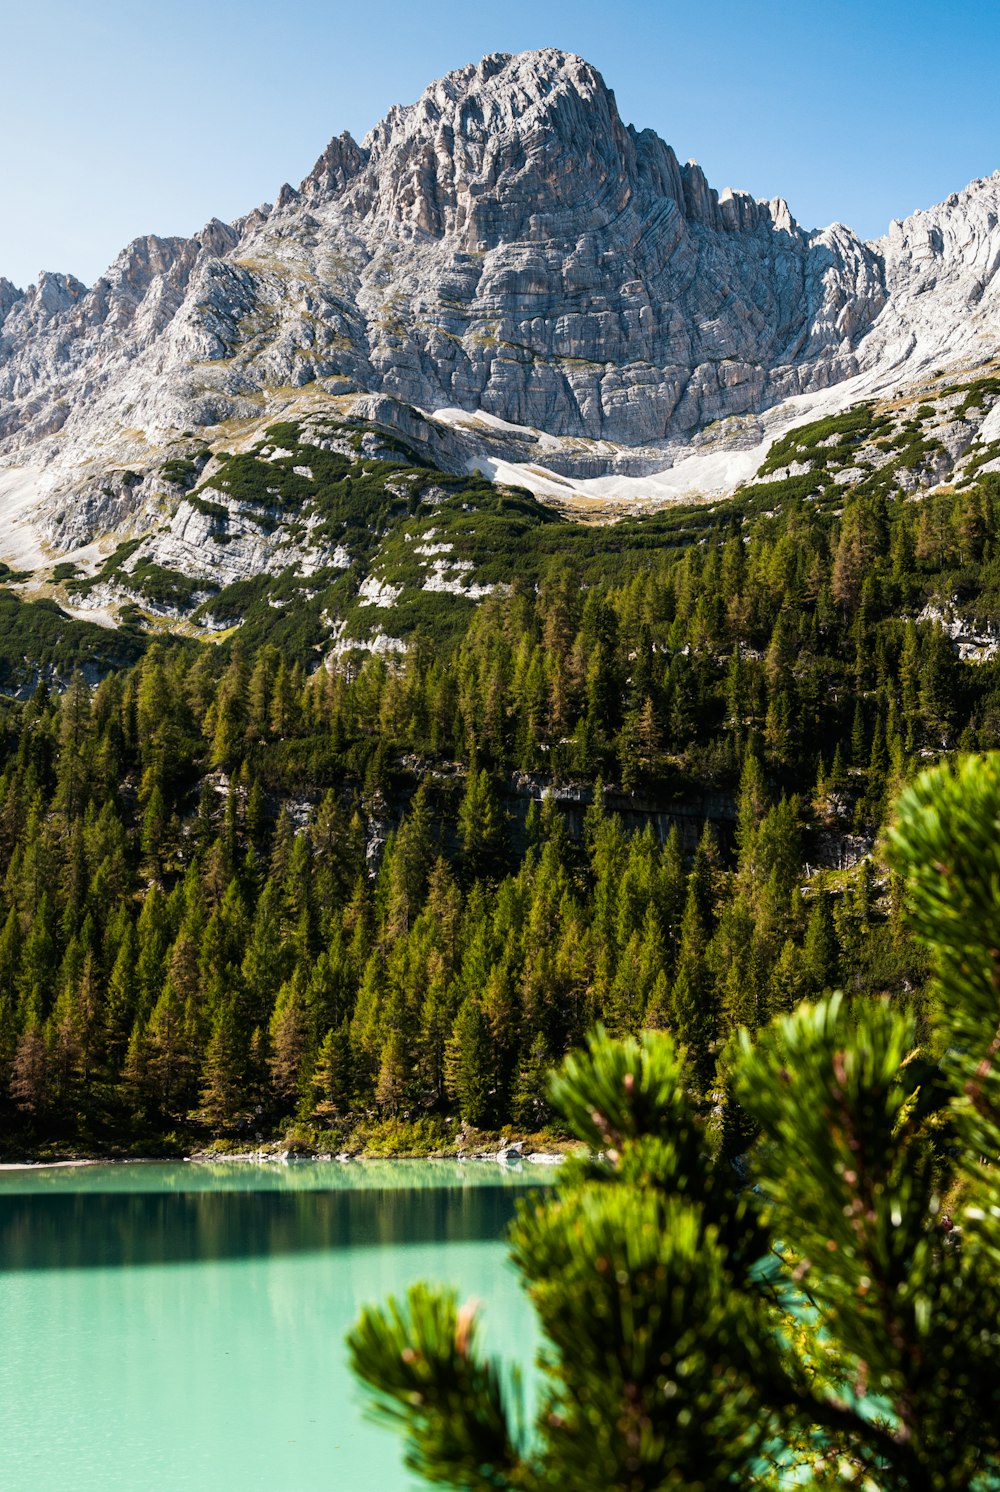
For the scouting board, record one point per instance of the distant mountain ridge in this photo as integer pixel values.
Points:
(506, 247)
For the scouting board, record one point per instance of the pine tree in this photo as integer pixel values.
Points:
(224, 1072)
(120, 1001)
(412, 857)
(332, 1079)
(393, 1081)
(226, 720)
(909, 682)
(154, 828)
(820, 945)
(135, 1083)
(469, 1072)
(937, 706)
(693, 1016)
(74, 749)
(29, 1079)
(166, 1056)
(971, 525)
(752, 804)
(530, 1100)
(289, 1035)
(480, 825)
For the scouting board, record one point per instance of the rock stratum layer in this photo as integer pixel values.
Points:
(505, 247)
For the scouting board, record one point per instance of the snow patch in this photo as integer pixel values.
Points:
(20, 541)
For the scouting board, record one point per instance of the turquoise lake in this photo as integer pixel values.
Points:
(180, 1328)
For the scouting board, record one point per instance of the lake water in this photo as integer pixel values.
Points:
(180, 1328)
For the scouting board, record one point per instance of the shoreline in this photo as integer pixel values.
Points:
(511, 1155)
(50, 1165)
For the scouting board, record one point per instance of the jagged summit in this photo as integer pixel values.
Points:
(509, 146)
(523, 92)
(506, 247)
(485, 150)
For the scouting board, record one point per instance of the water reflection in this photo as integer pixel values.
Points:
(294, 1176)
(225, 1366)
(150, 1214)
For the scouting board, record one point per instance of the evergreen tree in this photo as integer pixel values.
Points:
(135, 1083)
(469, 1068)
(692, 999)
(332, 1076)
(289, 1044)
(936, 688)
(29, 1079)
(820, 945)
(166, 1066)
(223, 1091)
(480, 825)
(530, 1100)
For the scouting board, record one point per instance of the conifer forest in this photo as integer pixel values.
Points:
(369, 900)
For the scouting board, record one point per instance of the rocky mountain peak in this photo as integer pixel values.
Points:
(501, 149)
(502, 92)
(508, 248)
(53, 295)
(340, 162)
(518, 146)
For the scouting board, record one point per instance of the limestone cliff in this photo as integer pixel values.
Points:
(508, 247)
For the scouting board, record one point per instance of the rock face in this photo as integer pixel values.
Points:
(942, 283)
(504, 245)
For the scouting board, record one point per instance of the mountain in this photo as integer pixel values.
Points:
(344, 785)
(506, 254)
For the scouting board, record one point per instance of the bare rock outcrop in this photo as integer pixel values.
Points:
(506, 246)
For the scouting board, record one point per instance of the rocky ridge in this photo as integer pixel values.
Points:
(549, 293)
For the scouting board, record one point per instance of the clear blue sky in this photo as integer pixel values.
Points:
(122, 117)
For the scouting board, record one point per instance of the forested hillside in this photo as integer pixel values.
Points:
(252, 889)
